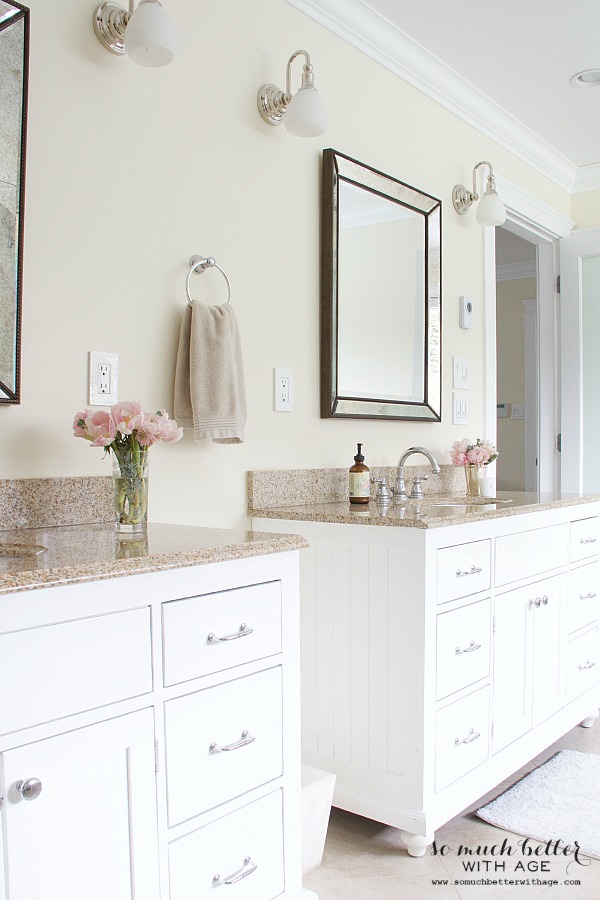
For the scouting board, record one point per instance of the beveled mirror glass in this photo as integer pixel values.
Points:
(380, 295)
(14, 58)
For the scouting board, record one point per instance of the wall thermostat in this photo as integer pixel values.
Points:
(465, 312)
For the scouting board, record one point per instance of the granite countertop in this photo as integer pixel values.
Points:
(425, 513)
(77, 553)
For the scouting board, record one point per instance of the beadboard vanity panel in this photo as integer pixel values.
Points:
(128, 768)
(467, 641)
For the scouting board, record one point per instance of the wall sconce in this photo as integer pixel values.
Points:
(491, 209)
(302, 113)
(145, 34)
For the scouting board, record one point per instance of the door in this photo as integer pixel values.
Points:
(580, 361)
(91, 831)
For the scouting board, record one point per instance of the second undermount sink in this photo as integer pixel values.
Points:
(11, 550)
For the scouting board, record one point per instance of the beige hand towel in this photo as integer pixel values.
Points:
(209, 377)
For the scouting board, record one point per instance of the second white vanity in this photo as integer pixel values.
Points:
(443, 647)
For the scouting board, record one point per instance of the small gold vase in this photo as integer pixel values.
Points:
(473, 474)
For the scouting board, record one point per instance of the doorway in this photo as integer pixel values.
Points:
(517, 362)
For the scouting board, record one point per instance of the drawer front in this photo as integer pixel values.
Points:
(204, 634)
(66, 668)
(461, 737)
(530, 553)
(584, 596)
(463, 570)
(463, 647)
(252, 833)
(585, 538)
(582, 664)
(200, 778)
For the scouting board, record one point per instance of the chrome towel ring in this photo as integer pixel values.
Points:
(198, 265)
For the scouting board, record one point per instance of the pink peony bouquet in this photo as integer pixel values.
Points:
(467, 453)
(126, 428)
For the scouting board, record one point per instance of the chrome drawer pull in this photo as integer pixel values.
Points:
(244, 631)
(472, 736)
(588, 596)
(247, 869)
(589, 665)
(472, 571)
(245, 739)
(472, 646)
(589, 540)
(541, 601)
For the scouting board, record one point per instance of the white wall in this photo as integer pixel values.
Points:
(130, 171)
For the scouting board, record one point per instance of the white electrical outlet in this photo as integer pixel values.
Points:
(283, 390)
(103, 381)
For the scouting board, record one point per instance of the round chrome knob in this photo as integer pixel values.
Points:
(30, 789)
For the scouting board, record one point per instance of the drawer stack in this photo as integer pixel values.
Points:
(224, 742)
(582, 608)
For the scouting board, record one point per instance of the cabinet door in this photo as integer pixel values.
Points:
(513, 638)
(548, 692)
(92, 831)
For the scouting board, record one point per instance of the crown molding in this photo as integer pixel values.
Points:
(587, 179)
(384, 42)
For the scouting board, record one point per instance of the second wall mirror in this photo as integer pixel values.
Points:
(380, 295)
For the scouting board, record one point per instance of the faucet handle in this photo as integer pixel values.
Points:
(417, 490)
(383, 495)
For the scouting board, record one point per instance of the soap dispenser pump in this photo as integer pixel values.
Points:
(359, 480)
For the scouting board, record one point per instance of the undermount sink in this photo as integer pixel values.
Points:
(464, 501)
(11, 550)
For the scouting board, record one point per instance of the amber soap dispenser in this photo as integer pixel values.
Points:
(359, 480)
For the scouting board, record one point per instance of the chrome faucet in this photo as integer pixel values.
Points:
(400, 491)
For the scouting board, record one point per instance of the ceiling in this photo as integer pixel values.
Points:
(504, 66)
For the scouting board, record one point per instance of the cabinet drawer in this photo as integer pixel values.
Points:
(462, 570)
(463, 647)
(205, 634)
(585, 538)
(252, 833)
(582, 664)
(584, 596)
(199, 778)
(58, 670)
(461, 737)
(530, 553)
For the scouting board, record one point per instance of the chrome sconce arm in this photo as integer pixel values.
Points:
(491, 210)
(302, 113)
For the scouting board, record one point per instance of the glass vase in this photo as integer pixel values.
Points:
(130, 491)
(473, 474)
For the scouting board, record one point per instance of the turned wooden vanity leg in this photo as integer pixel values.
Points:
(416, 844)
(589, 720)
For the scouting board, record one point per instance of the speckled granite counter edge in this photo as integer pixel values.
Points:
(374, 516)
(64, 575)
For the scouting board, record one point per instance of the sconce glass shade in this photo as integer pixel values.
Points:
(150, 38)
(490, 209)
(306, 115)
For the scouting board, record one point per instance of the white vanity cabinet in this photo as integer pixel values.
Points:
(150, 736)
(436, 661)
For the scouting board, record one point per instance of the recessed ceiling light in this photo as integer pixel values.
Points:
(587, 78)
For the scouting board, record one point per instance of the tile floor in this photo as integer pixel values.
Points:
(365, 860)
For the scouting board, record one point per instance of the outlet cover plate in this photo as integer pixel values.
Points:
(103, 383)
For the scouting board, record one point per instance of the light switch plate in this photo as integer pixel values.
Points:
(460, 409)
(460, 372)
(103, 378)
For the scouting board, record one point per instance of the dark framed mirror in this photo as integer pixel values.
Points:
(14, 64)
(381, 321)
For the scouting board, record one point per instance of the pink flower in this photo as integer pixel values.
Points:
(79, 424)
(478, 456)
(159, 427)
(101, 428)
(128, 417)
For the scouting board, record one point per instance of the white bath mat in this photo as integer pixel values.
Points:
(558, 801)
